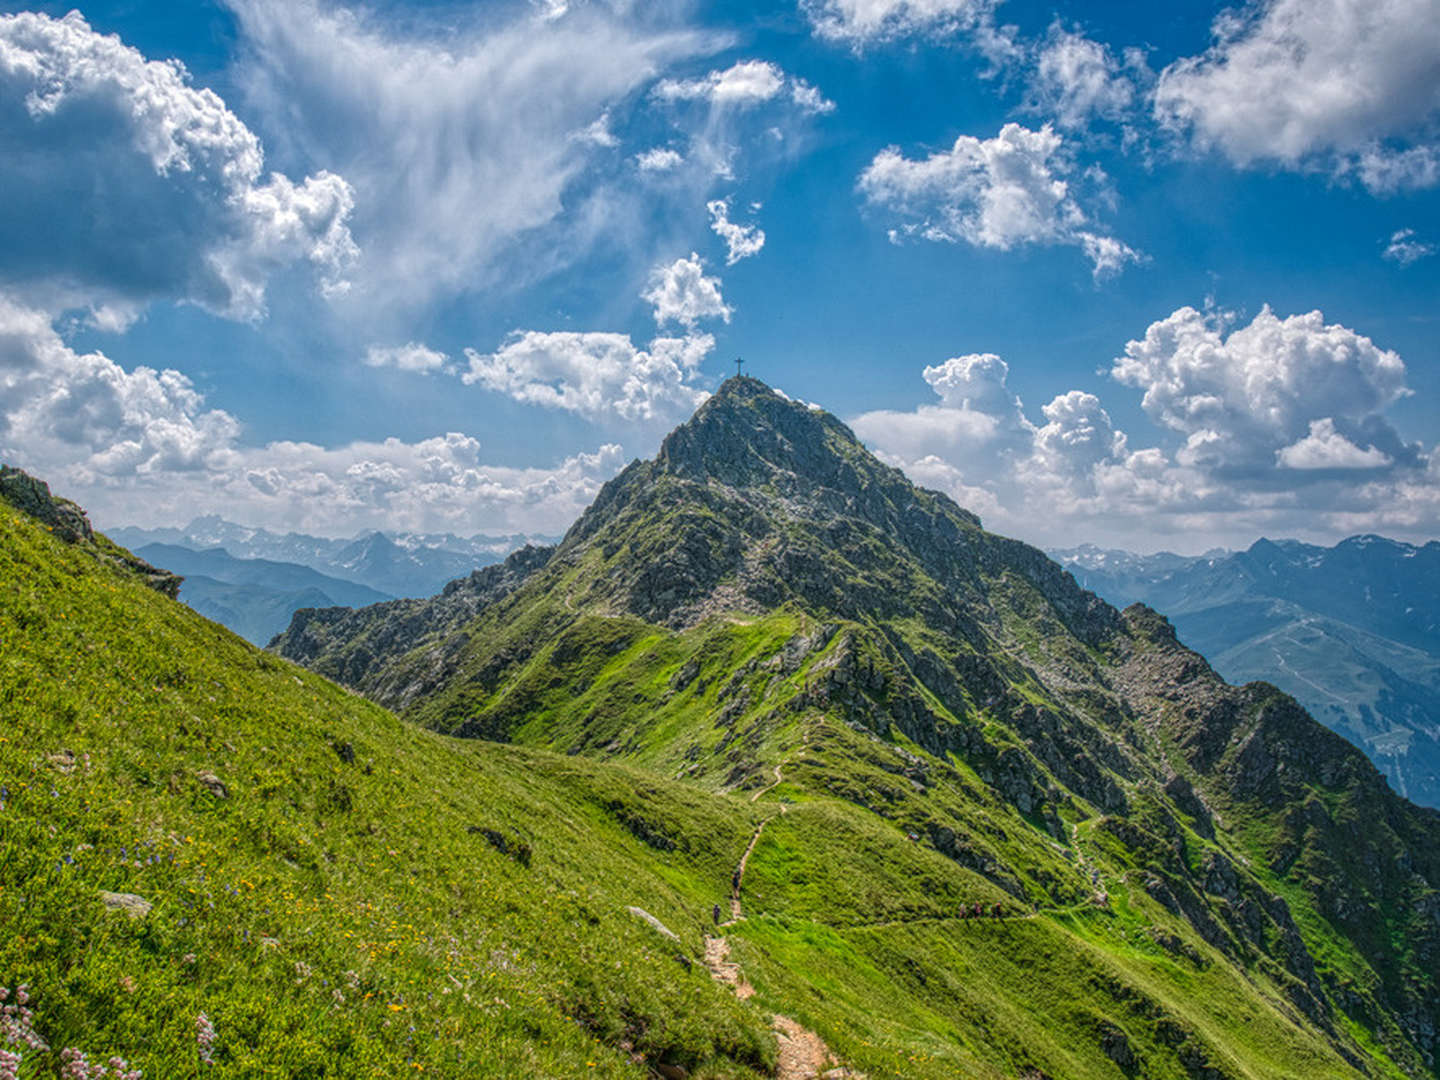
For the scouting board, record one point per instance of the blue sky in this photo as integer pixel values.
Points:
(1159, 276)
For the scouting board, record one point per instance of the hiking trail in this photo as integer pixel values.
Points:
(802, 1055)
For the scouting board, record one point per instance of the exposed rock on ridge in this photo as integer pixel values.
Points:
(69, 523)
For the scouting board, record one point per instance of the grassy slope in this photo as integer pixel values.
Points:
(466, 962)
(830, 883)
(463, 959)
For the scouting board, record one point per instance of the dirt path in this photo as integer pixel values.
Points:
(723, 969)
(803, 1054)
(739, 877)
(779, 779)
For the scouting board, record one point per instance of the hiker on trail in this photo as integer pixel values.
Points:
(996, 911)
(735, 880)
(977, 910)
(715, 914)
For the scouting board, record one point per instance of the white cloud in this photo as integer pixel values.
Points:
(474, 153)
(859, 23)
(440, 484)
(659, 159)
(746, 117)
(1386, 171)
(1239, 399)
(1326, 448)
(1078, 435)
(680, 292)
(998, 193)
(1076, 78)
(979, 421)
(1278, 427)
(82, 409)
(1405, 249)
(1340, 84)
(596, 375)
(411, 357)
(598, 132)
(745, 85)
(741, 241)
(117, 439)
(125, 185)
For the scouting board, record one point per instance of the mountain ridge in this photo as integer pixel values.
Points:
(765, 592)
(1349, 630)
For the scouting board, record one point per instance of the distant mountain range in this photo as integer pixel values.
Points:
(253, 597)
(1352, 631)
(396, 564)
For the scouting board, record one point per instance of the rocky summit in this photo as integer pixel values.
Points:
(1185, 878)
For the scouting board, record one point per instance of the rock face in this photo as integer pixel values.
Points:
(766, 595)
(1351, 631)
(32, 496)
(68, 522)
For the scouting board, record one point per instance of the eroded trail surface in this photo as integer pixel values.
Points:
(723, 969)
(739, 878)
(803, 1055)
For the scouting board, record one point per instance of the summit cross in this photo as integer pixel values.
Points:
(738, 363)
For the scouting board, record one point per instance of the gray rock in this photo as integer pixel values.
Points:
(655, 924)
(137, 907)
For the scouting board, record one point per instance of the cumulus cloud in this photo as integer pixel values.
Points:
(441, 484)
(1326, 448)
(1076, 78)
(1000, 193)
(84, 410)
(1341, 84)
(745, 85)
(1275, 427)
(866, 20)
(116, 439)
(411, 357)
(979, 420)
(741, 241)
(859, 23)
(750, 115)
(1239, 399)
(680, 292)
(1078, 435)
(978, 446)
(596, 375)
(469, 151)
(1404, 248)
(124, 184)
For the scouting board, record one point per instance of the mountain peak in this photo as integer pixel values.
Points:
(749, 434)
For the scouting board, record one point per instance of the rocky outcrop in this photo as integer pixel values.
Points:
(68, 522)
